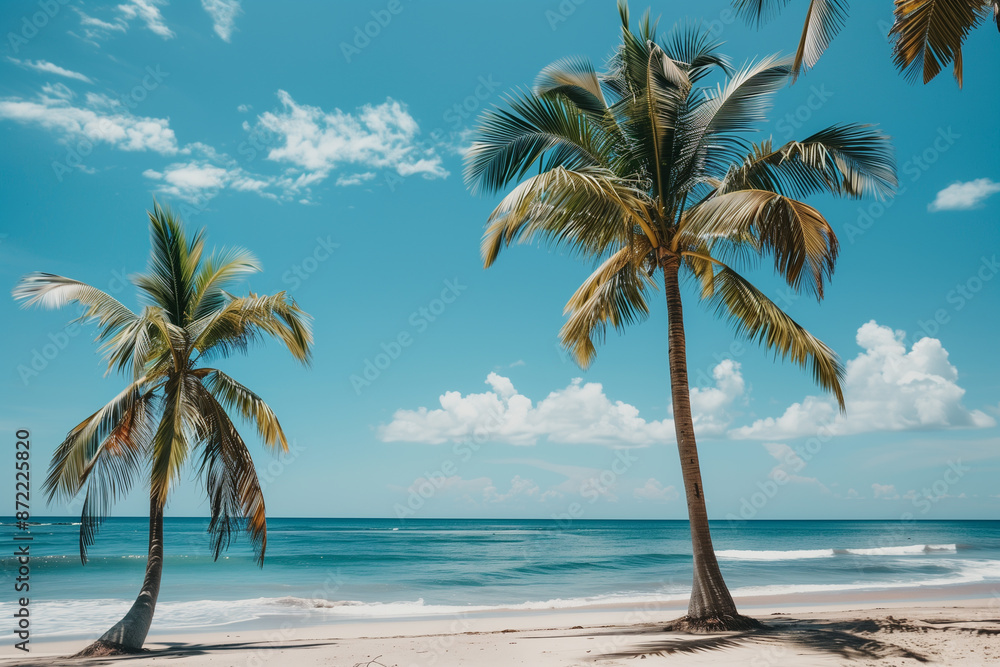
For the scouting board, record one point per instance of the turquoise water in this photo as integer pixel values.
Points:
(325, 570)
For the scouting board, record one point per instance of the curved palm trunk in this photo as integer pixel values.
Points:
(711, 606)
(129, 634)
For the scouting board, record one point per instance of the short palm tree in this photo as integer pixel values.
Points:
(174, 407)
(927, 35)
(644, 170)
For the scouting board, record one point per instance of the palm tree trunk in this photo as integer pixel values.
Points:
(129, 634)
(711, 606)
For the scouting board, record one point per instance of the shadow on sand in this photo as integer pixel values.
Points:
(175, 650)
(848, 640)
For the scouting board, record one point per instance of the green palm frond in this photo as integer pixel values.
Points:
(849, 160)
(216, 275)
(234, 396)
(51, 291)
(583, 209)
(797, 235)
(234, 493)
(613, 294)
(245, 320)
(758, 319)
(510, 142)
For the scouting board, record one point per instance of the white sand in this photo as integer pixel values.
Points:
(963, 632)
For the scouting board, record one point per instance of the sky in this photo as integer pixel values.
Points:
(328, 139)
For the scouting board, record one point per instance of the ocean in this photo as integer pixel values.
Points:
(331, 570)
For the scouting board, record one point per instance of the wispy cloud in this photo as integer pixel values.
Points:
(964, 196)
(98, 121)
(147, 11)
(223, 13)
(50, 68)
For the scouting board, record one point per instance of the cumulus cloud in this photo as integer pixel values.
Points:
(223, 14)
(579, 413)
(50, 68)
(888, 388)
(964, 196)
(654, 491)
(382, 136)
(98, 122)
(710, 405)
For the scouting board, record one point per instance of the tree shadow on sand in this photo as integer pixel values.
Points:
(171, 650)
(849, 640)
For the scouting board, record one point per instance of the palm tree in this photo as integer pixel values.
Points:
(643, 169)
(174, 407)
(926, 34)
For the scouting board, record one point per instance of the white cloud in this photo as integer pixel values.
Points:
(243, 108)
(709, 404)
(223, 13)
(578, 413)
(50, 68)
(964, 196)
(477, 491)
(887, 389)
(120, 130)
(148, 11)
(355, 179)
(655, 491)
(885, 491)
(382, 136)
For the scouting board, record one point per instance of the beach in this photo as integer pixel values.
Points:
(957, 632)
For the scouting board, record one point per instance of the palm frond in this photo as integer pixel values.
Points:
(757, 319)
(215, 275)
(511, 141)
(51, 291)
(849, 160)
(613, 294)
(244, 321)
(173, 263)
(928, 34)
(585, 209)
(252, 407)
(797, 235)
(234, 493)
(824, 19)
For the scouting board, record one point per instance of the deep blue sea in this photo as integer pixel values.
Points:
(328, 570)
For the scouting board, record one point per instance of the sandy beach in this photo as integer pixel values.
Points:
(963, 632)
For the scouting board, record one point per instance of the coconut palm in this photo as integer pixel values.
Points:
(926, 34)
(645, 169)
(175, 408)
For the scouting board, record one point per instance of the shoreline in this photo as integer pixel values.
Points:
(807, 632)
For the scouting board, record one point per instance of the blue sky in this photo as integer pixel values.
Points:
(336, 156)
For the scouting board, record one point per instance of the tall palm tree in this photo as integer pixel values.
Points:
(926, 34)
(644, 169)
(174, 407)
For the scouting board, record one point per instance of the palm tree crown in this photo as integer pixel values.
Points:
(174, 407)
(641, 164)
